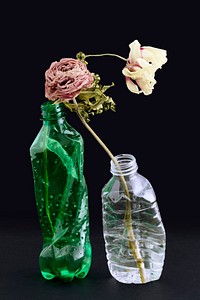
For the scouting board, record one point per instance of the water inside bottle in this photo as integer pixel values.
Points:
(149, 234)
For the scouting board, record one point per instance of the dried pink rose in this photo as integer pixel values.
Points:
(66, 79)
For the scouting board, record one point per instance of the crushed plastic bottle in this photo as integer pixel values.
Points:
(134, 234)
(61, 197)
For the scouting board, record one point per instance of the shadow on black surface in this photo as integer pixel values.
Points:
(21, 278)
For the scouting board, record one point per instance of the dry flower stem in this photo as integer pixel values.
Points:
(128, 220)
(106, 54)
(133, 243)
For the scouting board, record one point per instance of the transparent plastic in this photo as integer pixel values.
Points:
(61, 197)
(148, 231)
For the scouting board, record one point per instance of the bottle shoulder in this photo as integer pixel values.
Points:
(143, 188)
(138, 185)
(63, 134)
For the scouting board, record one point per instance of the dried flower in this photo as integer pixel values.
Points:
(66, 79)
(141, 66)
(70, 79)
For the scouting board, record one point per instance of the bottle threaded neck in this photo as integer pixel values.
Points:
(127, 164)
(51, 111)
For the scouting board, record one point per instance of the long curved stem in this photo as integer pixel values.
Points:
(106, 54)
(128, 220)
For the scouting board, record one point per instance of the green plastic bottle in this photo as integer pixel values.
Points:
(61, 196)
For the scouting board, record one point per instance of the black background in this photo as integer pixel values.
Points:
(160, 130)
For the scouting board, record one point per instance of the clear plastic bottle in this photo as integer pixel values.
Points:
(135, 249)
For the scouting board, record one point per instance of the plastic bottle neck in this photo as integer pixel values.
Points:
(127, 164)
(51, 112)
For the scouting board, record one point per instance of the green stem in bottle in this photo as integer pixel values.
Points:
(46, 182)
(128, 220)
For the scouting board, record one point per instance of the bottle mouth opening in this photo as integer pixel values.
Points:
(51, 111)
(126, 165)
